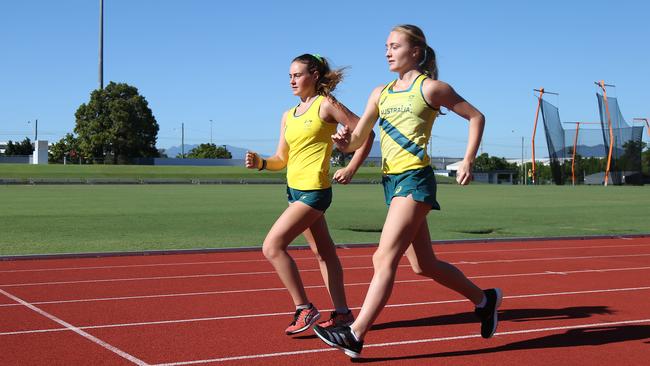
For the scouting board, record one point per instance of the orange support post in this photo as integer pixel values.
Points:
(539, 103)
(602, 85)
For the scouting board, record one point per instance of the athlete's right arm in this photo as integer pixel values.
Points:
(348, 141)
(275, 162)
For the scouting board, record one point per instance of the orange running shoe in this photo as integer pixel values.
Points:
(303, 319)
(338, 320)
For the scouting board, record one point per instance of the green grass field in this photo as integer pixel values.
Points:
(58, 171)
(101, 218)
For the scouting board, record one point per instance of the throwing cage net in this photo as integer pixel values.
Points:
(602, 152)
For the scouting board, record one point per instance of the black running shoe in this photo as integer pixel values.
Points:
(341, 338)
(488, 313)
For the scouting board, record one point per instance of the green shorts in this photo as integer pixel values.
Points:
(319, 199)
(419, 183)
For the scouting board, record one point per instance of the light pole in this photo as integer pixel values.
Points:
(35, 128)
(101, 44)
(522, 160)
(523, 167)
(210, 132)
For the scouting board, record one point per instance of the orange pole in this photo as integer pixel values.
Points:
(611, 132)
(573, 158)
(539, 103)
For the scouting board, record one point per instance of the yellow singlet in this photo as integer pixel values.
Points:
(405, 121)
(310, 148)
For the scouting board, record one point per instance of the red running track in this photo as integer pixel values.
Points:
(570, 302)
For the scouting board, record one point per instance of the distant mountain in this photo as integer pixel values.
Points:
(237, 152)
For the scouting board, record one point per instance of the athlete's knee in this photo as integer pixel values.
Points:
(384, 261)
(272, 250)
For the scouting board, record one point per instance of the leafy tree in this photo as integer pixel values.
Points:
(631, 158)
(645, 158)
(67, 147)
(19, 148)
(116, 125)
(209, 151)
(485, 162)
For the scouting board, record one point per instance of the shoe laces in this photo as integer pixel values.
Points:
(296, 315)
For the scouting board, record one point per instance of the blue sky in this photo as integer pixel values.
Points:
(227, 61)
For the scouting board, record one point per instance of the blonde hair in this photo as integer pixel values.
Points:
(416, 38)
(328, 79)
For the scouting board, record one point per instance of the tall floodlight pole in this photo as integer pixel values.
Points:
(210, 131)
(183, 140)
(523, 167)
(101, 44)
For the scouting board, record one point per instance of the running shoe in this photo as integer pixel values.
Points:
(488, 313)
(338, 320)
(341, 338)
(303, 319)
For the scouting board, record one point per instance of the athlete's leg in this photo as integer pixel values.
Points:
(402, 222)
(322, 245)
(424, 262)
(293, 221)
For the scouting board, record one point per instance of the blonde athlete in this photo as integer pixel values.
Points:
(305, 148)
(406, 109)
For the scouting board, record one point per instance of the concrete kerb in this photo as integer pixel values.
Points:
(302, 247)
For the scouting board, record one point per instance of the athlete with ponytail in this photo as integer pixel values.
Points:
(305, 148)
(406, 109)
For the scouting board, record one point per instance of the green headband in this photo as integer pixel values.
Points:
(318, 57)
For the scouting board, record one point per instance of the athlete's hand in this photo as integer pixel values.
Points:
(342, 138)
(464, 173)
(343, 175)
(253, 160)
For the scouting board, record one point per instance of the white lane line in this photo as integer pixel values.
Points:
(304, 258)
(305, 270)
(224, 292)
(71, 327)
(313, 270)
(402, 343)
(248, 316)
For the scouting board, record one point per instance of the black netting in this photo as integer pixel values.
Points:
(588, 163)
(625, 166)
(554, 140)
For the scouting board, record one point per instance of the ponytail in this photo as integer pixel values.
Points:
(328, 79)
(428, 65)
(416, 38)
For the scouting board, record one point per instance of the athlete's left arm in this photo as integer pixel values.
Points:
(335, 112)
(438, 93)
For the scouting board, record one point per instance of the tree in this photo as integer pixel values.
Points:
(209, 151)
(19, 148)
(67, 147)
(485, 162)
(645, 158)
(116, 125)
